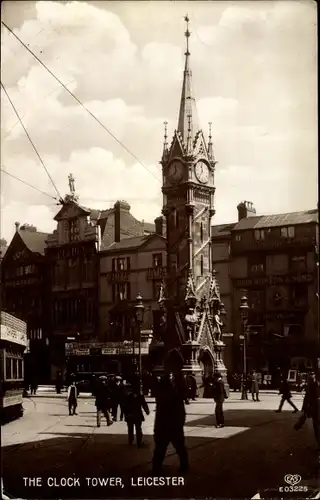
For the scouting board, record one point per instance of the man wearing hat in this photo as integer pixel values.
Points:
(219, 395)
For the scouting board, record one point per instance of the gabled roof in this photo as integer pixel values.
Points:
(77, 209)
(266, 221)
(34, 241)
(132, 243)
(278, 220)
(222, 230)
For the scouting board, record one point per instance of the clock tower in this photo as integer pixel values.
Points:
(190, 293)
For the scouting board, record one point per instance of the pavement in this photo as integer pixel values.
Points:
(251, 455)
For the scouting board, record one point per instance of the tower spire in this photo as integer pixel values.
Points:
(188, 111)
(210, 146)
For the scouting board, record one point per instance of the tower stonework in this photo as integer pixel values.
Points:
(189, 297)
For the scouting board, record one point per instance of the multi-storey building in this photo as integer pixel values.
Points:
(132, 266)
(24, 289)
(273, 260)
(52, 280)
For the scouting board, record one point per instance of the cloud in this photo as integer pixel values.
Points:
(254, 75)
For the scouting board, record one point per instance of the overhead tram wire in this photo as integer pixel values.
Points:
(81, 103)
(34, 147)
(27, 184)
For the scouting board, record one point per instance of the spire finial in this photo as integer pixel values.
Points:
(210, 136)
(187, 34)
(165, 133)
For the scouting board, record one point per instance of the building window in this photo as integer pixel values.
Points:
(288, 232)
(201, 265)
(257, 299)
(175, 217)
(257, 268)
(300, 295)
(121, 264)
(259, 234)
(157, 259)
(238, 237)
(8, 368)
(121, 291)
(73, 229)
(113, 265)
(298, 263)
(201, 232)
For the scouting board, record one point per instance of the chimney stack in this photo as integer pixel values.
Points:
(159, 223)
(17, 224)
(246, 209)
(119, 206)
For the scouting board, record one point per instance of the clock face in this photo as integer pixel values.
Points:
(175, 170)
(202, 172)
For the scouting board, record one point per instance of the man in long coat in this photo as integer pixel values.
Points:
(169, 421)
(254, 386)
(102, 401)
(219, 396)
(133, 405)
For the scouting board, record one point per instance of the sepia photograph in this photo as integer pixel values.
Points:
(159, 251)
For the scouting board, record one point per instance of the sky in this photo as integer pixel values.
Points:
(254, 77)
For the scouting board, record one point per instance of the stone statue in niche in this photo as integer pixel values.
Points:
(217, 326)
(191, 321)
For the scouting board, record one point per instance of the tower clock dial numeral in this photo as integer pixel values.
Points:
(175, 170)
(202, 172)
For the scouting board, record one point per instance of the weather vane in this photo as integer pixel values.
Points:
(187, 34)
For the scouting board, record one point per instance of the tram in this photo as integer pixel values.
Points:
(13, 344)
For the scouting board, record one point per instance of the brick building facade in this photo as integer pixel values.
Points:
(273, 260)
(51, 281)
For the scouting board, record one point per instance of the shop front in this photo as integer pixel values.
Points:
(120, 358)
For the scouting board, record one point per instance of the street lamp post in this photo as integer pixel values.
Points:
(139, 313)
(244, 308)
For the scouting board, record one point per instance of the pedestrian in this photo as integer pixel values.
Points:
(102, 402)
(33, 385)
(59, 382)
(133, 404)
(286, 396)
(254, 386)
(117, 398)
(168, 428)
(219, 396)
(192, 386)
(311, 405)
(72, 398)
(179, 382)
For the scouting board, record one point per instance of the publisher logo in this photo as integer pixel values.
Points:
(292, 479)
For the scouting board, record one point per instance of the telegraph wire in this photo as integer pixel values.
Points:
(34, 147)
(27, 184)
(81, 104)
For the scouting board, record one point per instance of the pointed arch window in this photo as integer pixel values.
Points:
(201, 232)
(201, 265)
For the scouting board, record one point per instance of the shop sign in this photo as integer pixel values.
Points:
(81, 352)
(274, 280)
(12, 400)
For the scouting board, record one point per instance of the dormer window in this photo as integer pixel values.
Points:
(73, 229)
